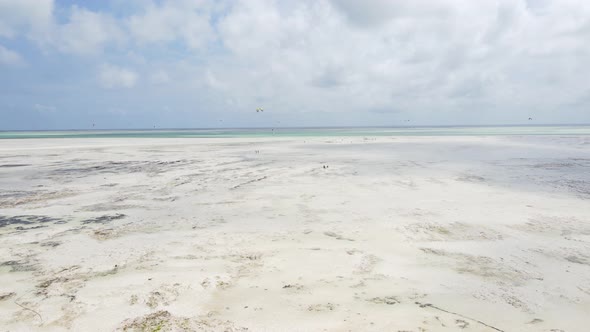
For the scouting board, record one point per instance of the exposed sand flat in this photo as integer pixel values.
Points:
(397, 234)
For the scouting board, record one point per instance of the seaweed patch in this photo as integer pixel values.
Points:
(103, 219)
(26, 220)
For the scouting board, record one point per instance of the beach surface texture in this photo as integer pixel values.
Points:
(448, 233)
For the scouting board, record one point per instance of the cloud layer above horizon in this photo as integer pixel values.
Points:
(211, 63)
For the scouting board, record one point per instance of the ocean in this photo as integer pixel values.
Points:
(306, 132)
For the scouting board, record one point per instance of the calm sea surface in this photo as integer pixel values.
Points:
(309, 132)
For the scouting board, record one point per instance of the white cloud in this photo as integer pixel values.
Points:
(417, 56)
(116, 77)
(10, 58)
(23, 16)
(86, 32)
(185, 21)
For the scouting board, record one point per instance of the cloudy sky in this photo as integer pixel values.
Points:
(211, 63)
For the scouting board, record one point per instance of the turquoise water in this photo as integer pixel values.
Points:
(304, 132)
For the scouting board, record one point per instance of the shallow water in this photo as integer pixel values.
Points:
(309, 132)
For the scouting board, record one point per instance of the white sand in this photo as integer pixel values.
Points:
(397, 234)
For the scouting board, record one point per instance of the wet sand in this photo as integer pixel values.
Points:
(395, 234)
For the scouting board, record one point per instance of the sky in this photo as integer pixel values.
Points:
(118, 64)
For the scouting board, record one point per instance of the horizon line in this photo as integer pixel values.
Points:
(302, 127)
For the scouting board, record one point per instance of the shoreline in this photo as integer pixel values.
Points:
(307, 132)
